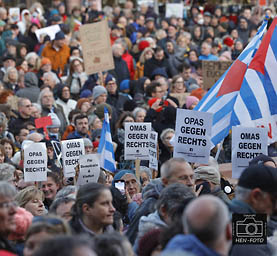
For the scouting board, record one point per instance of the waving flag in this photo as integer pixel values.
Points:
(105, 148)
(256, 103)
(221, 98)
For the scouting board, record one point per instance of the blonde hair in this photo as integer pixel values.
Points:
(27, 194)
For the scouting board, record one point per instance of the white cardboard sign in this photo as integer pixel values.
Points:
(50, 31)
(136, 145)
(153, 159)
(247, 143)
(176, 10)
(14, 14)
(89, 169)
(71, 152)
(35, 162)
(193, 135)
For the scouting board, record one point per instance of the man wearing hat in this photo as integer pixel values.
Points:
(8, 61)
(256, 192)
(99, 94)
(209, 176)
(58, 52)
(115, 98)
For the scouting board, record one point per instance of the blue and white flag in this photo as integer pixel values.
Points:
(105, 148)
(256, 103)
(221, 98)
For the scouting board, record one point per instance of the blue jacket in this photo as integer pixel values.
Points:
(189, 243)
(75, 135)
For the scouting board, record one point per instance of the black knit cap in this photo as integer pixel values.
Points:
(261, 159)
(259, 176)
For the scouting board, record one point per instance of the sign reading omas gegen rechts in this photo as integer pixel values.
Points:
(247, 143)
(71, 152)
(136, 145)
(35, 162)
(192, 135)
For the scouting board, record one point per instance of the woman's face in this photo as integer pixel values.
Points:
(13, 75)
(148, 55)
(128, 119)
(85, 107)
(35, 206)
(197, 32)
(179, 85)
(170, 47)
(140, 116)
(32, 61)
(97, 124)
(193, 56)
(145, 179)
(23, 52)
(24, 66)
(75, 53)
(102, 210)
(34, 241)
(2, 157)
(8, 150)
(77, 66)
(66, 93)
(238, 46)
(131, 184)
(167, 139)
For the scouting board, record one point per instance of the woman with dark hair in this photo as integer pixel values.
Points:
(77, 77)
(119, 139)
(9, 148)
(93, 210)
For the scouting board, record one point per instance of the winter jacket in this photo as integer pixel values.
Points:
(120, 71)
(67, 106)
(58, 58)
(150, 195)
(31, 90)
(189, 243)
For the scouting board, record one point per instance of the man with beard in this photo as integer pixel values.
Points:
(81, 125)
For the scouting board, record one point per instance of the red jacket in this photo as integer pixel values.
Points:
(130, 64)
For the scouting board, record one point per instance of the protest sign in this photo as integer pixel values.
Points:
(212, 71)
(14, 14)
(192, 135)
(71, 151)
(247, 143)
(89, 169)
(35, 162)
(43, 122)
(175, 10)
(153, 158)
(50, 31)
(136, 145)
(96, 46)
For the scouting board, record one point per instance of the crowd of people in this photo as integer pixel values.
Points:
(180, 209)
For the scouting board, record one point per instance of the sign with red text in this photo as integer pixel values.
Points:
(247, 143)
(35, 162)
(71, 152)
(193, 135)
(136, 144)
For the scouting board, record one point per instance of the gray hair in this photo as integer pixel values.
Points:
(168, 167)
(66, 192)
(53, 75)
(7, 189)
(165, 132)
(242, 193)
(186, 34)
(31, 55)
(42, 92)
(137, 110)
(37, 106)
(35, 136)
(145, 169)
(59, 201)
(6, 172)
(6, 76)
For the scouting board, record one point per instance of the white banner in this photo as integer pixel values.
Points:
(193, 135)
(89, 169)
(153, 143)
(247, 143)
(71, 152)
(50, 31)
(176, 10)
(136, 145)
(35, 162)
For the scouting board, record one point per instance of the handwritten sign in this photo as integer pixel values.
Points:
(35, 162)
(96, 47)
(136, 145)
(192, 135)
(71, 152)
(89, 169)
(247, 143)
(212, 71)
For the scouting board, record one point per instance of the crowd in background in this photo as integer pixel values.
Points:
(180, 209)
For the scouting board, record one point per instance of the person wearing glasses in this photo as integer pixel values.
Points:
(7, 213)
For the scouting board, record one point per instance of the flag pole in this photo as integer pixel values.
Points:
(218, 150)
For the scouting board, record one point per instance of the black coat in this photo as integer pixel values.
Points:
(151, 64)
(120, 71)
